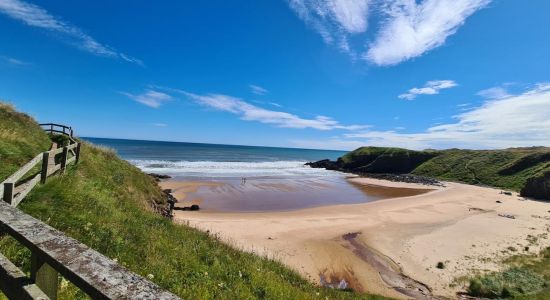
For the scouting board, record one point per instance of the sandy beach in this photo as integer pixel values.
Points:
(389, 247)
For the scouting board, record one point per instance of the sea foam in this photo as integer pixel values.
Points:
(231, 169)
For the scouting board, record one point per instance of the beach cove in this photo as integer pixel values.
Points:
(389, 247)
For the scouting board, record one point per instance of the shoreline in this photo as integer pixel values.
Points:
(458, 225)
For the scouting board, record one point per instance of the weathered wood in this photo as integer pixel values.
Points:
(15, 284)
(64, 159)
(56, 151)
(54, 169)
(44, 276)
(28, 187)
(71, 160)
(26, 168)
(45, 164)
(8, 192)
(95, 274)
(72, 146)
(66, 130)
(77, 154)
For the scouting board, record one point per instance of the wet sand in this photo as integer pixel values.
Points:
(279, 194)
(384, 246)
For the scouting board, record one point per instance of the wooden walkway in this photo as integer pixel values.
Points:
(52, 252)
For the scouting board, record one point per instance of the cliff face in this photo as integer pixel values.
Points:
(537, 187)
(521, 169)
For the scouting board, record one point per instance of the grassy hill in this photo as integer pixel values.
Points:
(106, 203)
(520, 169)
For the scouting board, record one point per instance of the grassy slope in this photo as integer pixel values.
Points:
(105, 203)
(14, 150)
(508, 168)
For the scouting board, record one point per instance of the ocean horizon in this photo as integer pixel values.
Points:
(201, 160)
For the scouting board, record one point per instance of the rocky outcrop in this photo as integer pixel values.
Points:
(537, 187)
(159, 177)
(325, 164)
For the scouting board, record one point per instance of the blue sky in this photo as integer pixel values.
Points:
(333, 74)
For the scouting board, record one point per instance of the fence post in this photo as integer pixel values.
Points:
(44, 276)
(8, 192)
(64, 159)
(45, 163)
(77, 154)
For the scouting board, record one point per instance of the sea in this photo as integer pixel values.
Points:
(229, 178)
(195, 160)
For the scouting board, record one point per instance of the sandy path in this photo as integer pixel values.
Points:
(458, 225)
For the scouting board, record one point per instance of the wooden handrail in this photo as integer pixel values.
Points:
(91, 271)
(66, 130)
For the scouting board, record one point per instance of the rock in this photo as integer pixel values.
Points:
(498, 201)
(193, 207)
(508, 193)
(507, 216)
(167, 191)
(158, 177)
(325, 164)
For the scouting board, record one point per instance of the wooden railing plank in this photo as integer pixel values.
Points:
(91, 271)
(45, 277)
(71, 160)
(54, 169)
(56, 151)
(28, 187)
(15, 284)
(26, 168)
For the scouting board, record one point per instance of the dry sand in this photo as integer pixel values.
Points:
(458, 225)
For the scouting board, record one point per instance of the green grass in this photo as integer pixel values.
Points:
(21, 139)
(105, 203)
(528, 277)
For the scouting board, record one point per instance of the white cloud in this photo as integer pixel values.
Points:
(334, 20)
(36, 16)
(258, 90)
(150, 98)
(412, 29)
(14, 61)
(513, 121)
(160, 124)
(494, 93)
(332, 144)
(409, 27)
(430, 88)
(249, 112)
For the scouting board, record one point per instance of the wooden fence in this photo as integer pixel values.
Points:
(52, 252)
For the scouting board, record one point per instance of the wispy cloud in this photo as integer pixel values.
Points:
(150, 98)
(513, 121)
(258, 90)
(494, 93)
(430, 88)
(334, 20)
(250, 112)
(412, 28)
(14, 61)
(35, 16)
(409, 28)
(160, 124)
